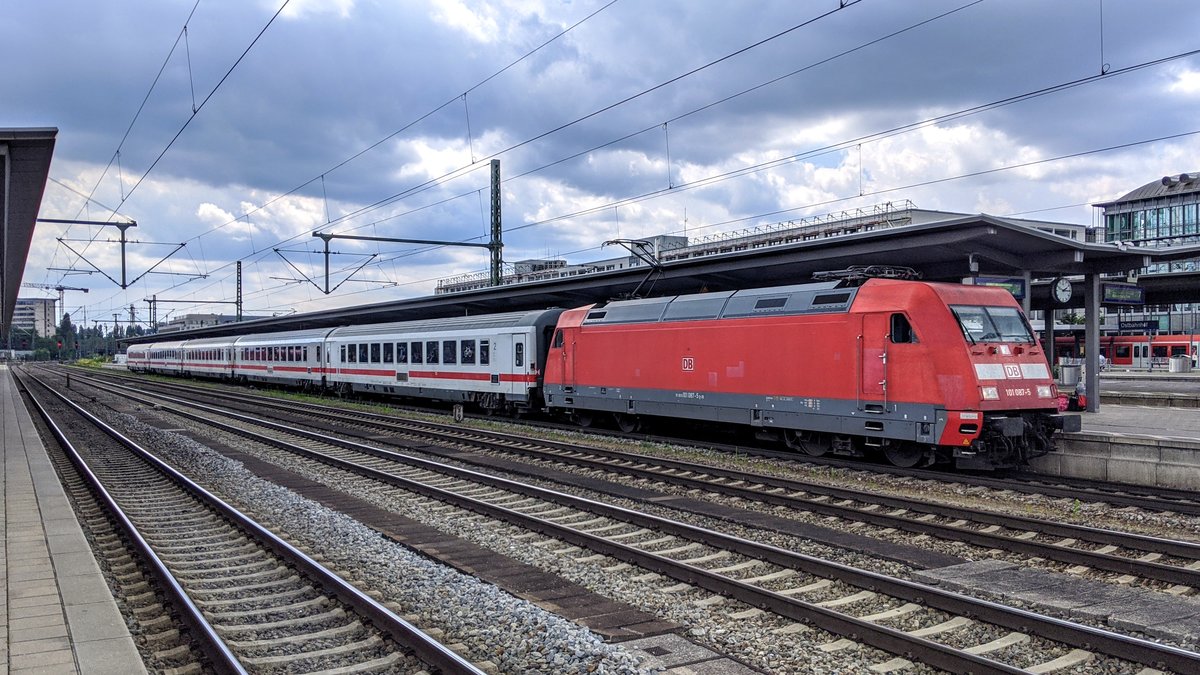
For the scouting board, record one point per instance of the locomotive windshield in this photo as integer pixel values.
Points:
(992, 324)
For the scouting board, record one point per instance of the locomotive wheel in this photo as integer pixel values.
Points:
(627, 423)
(904, 455)
(813, 447)
(584, 419)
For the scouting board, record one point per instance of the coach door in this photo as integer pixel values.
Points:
(872, 362)
(567, 355)
(520, 363)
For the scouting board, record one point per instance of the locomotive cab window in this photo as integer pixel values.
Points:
(901, 330)
(558, 339)
(992, 324)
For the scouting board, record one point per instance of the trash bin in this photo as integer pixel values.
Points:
(1180, 364)
(1069, 375)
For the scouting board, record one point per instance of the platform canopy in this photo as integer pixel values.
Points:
(949, 249)
(24, 167)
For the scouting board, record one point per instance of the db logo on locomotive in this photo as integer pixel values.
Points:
(689, 363)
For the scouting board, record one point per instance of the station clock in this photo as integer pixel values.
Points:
(1061, 290)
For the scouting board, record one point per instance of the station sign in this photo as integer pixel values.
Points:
(1014, 285)
(1117, 293)
(1139, 326)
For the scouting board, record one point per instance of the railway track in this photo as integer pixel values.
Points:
(255, 602)
(901, 617)
(1127, 556)
(1130, 496)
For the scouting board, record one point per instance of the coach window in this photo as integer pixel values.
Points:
(468, 352)
(342, 355)
(352, 353)
(450, 351)
(364, 353)
(401, 352)
(485, 353)
(902, 330)
(389, 352)
(519, 355)
(431, 351)
(375, 353)
(417, 353)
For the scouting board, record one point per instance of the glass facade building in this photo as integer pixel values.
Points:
(1163, 213)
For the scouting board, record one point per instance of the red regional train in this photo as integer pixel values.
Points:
(919, 372)
(1136, 352)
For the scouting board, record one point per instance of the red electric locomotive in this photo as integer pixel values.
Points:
(920, 371)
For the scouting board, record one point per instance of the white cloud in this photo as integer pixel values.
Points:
(478, 22)
(339, 75)
(304, 9)
(1186, 82)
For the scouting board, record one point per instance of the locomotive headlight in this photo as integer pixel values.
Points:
(990, 393)
(1044, 391)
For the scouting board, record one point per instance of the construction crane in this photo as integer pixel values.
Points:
(55, 287)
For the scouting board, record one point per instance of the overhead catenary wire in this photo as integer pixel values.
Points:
(835, 147)
(197, 108)
(762, 166)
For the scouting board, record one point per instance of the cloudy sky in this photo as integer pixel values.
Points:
(254, 127)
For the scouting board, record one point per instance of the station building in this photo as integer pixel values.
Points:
(197, 321)
(668, 248)
(1165, 212)
(34, 317)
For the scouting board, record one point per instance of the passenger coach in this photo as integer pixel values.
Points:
(291, 358)
(493, 361)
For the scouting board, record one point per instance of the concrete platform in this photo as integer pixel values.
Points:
(1146, 432)
(58, 615)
